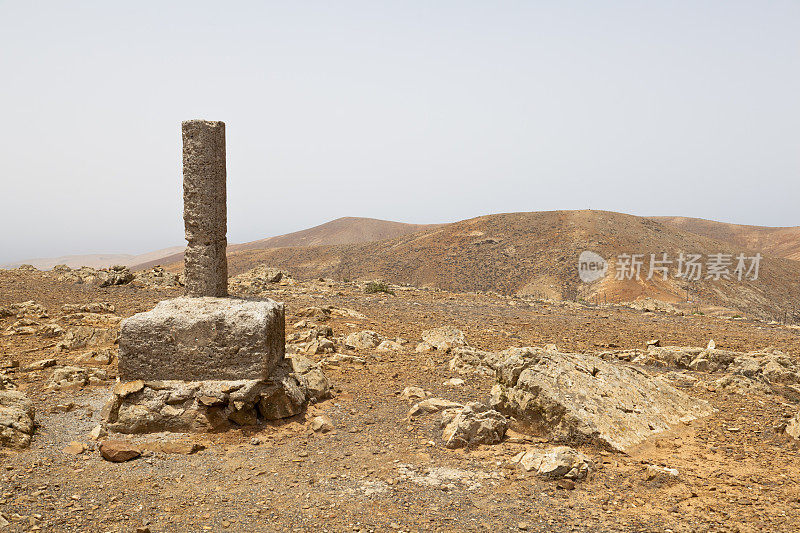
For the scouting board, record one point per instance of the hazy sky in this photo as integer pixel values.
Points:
(410, 111)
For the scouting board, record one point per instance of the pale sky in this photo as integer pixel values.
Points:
(411, 111)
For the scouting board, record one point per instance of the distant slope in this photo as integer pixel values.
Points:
(346, 230)
(536, 254)
(779, 242)
(94, 260)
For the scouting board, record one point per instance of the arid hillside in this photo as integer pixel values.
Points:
(345, 230)
(536, 254)
(778, 242)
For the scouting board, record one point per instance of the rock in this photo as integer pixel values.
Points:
(660, 475)
(118, 451)
(202, 338)
(362, 340)
(75, 448)
(86, 337)
(102, 356)
(575, 398)
(106, 277)
(432, 405)
(73, 377)
(256, 281)
(653, 342)
(320, 346)
(793, 427)
(180, 447)
(414, 393)
(24, 309)
(16, 419)
(158, 277)
(321, 424)
(94, 307)
(423, 347)
(473, 424)
(312, 378)
(558, 462)
(50, 330)
(98, 432)
(454, 382)
(444, 338)
(711, 345)
(389, 346)
(40, 365)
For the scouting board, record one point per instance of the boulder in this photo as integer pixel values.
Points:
(362, 340)
(575, 398)
(74, 377)
(558, 462)
(473, 424)
(16, 419)
(444, 338)
(203, 338)
(118, 451)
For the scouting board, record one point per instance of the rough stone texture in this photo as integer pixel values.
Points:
(118, 451)
(362, 340)
(473, 424)
(205, 208)
(577, 398)
(74, 377)
(153, 406)
(444, 338)
(558, 462)
(203, 338)
(432, 405)
(16, 419)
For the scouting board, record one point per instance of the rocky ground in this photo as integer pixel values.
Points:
(360, 462)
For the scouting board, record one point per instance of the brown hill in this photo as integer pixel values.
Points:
(345, 230)
(778, 242)
(536, 254)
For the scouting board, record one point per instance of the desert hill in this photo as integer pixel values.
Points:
(95, 260)
(345, 230)
(778, 242)
(536, 254)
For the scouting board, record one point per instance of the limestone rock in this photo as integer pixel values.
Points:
(558, 462)
(414, 393)
(203, 338)
(362, 340)
(17, 416)
(389, 346)
(444, 338)
(158, 277)
(576, 398)
(258, 280)
(432, 405)
(86, 337)
(473, 424)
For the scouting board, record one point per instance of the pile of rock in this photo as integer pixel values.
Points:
(172, 405)
(258, 280)
(104, 277)
(158, 277)
(29, 309)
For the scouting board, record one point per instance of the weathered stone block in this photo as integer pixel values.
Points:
(206, 268)
(203, 339)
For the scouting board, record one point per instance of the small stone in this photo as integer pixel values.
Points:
(118, 451)
(413, 393)
(255, 441)
(321, 424)
(129, 387)
(523, 526)
(654, 342)
(566, 484)
(98, 432)
(75, 448)
(453, 382)
(711, 345)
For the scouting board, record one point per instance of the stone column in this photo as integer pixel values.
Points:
(205, 208)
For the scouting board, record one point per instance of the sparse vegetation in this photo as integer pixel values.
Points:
(374, 287)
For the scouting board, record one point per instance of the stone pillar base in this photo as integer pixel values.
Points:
(205, 338)
(188, 406)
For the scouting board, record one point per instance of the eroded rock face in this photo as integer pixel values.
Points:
(105, 277)
(473, 424)
(576, 398)
(74, 377)
(16, 419)
(150, 406)
(158, 277)
(203, 338)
